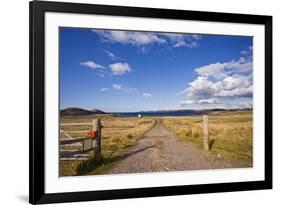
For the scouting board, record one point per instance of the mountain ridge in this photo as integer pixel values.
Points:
(74, 111)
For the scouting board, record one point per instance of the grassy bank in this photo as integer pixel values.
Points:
(230, 133)
(117, 135)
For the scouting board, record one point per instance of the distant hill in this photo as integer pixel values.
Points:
(208, 111)
(73, 111)
(97, 111)
(194, 112)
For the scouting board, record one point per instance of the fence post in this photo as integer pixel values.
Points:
(205, 130)
(97, 127)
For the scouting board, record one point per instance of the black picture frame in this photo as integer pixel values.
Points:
(37, 9)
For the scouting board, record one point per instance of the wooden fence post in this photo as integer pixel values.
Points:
(205, 130)
(97, 127)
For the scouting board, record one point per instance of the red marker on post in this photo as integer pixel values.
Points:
(91, 134)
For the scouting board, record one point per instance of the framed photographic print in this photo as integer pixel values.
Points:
(140, 102)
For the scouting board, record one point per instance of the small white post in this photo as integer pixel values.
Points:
(205, 131)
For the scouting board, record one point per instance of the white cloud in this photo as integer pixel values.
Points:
(243, 65)
(248, 51)
(231, 86)
(149, 38)
(123, 89)
(116, 86)
(104, 89)
(224, 83)
(237, 92)
(192, 44)
(186, 102)
(147, 95)
(234, 86)
(201, 87)
(215, 70)
(120, 68)
(221, 70)
(209, 101)
(233, 82)
(201, 101)
(134, 38)
(111, 55)
(92, 65)
(206, 89)
(182, 40)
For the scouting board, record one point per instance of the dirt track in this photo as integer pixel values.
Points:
(160, 151)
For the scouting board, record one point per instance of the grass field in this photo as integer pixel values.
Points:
(230, 133)
(117, 134)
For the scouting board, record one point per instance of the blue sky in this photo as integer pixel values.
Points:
(126, 71)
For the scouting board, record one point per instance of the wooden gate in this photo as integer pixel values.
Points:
(87, 146)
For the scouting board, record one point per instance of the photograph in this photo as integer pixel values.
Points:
(133, 101)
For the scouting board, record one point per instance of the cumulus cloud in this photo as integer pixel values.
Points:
(215, 70)
(201, 87)
(92, 65)
(149, 38)
(120, 68)
(218, 83)
(230, 86)
(104, 89)
(237, 92)
(233, 82)
(147, 95)
(221, 70)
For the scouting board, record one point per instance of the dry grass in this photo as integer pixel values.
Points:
(117, 134)
(230, 133)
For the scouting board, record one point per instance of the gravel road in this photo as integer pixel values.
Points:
(160, 151)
